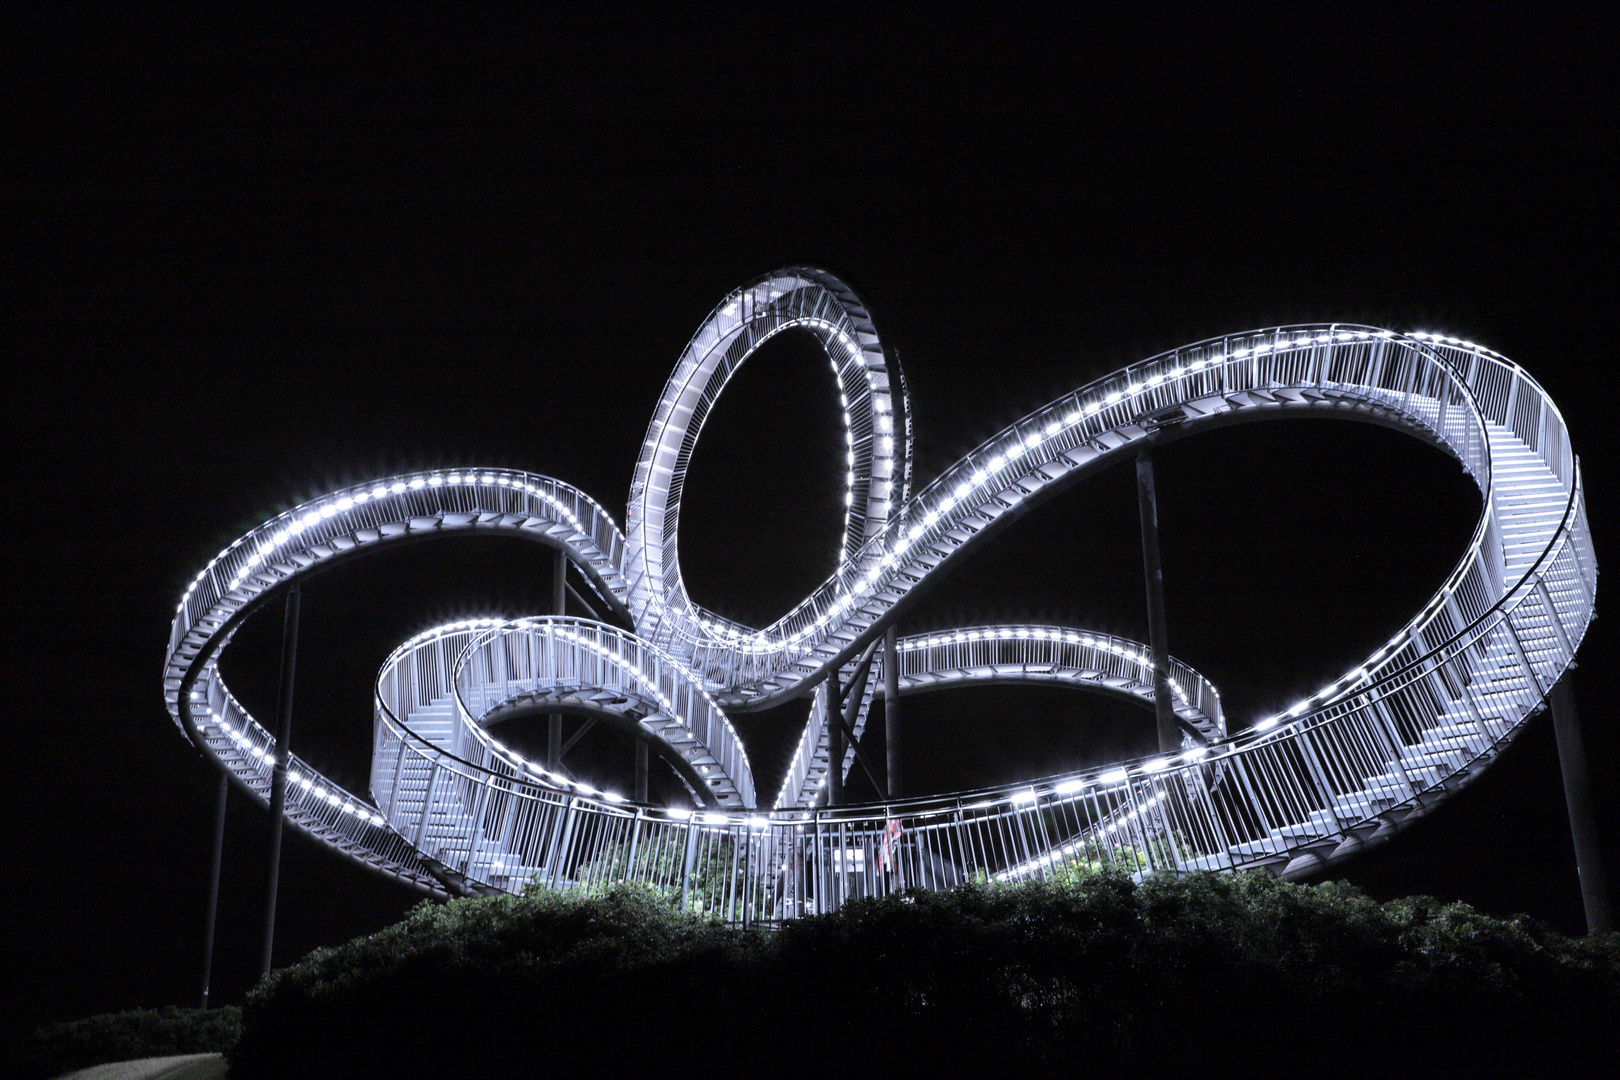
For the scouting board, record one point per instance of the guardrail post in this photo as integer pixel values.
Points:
(1137, 824)
(1552, 617)
(635, 843)
(399, 765)
(1524, 658)
(1376, 371)
(1314, 766)
(734, 884)
(1240, 770)
(687, 861)
(476, 834)
(1161, 809)
(1198, 782)
(509, 818)
(559, 843)
(427, 804)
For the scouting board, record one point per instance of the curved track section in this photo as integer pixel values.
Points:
(320, 533)
(1350, 766)
(540, 662)
(1002, 655)
(877, 455)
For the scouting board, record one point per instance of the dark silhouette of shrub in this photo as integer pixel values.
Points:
(122, 1036)
(1098, 974)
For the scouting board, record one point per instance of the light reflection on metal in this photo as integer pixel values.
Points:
(454, 810)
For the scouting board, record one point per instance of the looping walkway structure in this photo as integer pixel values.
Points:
(454, 810)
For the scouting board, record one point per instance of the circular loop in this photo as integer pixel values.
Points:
(1348, 766)
(588, 664)
(876, 447)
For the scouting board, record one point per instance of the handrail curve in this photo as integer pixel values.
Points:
(1351, 765)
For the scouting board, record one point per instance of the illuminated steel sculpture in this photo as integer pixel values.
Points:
(456, 811)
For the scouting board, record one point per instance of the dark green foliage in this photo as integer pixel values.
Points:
(536, 983)
(1173, 976)
(710, 886)
(139, 1033)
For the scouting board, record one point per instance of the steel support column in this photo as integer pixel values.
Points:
(213, 886)
(1578, 799)
(891, 710)
(278, 777)
(835, 741)
(1148, 505)
(641, 770)
(559, 606)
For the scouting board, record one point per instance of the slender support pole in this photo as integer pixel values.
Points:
(278, 777)
(853, 693)
(213, 887)
(590, 609)
(1578, 798)
(891, 710)
(590, 722)
(835, 741)
(1148, 504)
(559, 582)
(554, 742)
(845, 721)
(641, 770)
(559, 606)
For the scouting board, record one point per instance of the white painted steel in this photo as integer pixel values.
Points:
(876, 460)
(1348, 767)
(988, 655)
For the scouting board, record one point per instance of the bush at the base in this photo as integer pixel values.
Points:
(532, 983)
(123, 1036)
(1099, 974)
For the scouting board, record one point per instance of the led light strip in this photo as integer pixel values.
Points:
(802, 785)
(889, 547)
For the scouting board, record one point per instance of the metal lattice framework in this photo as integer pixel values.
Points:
(454, 810)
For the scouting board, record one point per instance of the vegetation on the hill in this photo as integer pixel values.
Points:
(123, 1036)
(1095, 974)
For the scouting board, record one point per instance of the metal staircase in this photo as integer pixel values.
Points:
(456, 811)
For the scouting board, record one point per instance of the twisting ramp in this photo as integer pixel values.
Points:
(453, 809)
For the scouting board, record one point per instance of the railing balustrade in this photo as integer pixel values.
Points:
(455, 810)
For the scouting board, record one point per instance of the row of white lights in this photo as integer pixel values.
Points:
(1077, 846)
(1037, 633)
(736, 636)
(1401, 639)
(279, 531)
(1003, 633)
(762, 641)
(586, 643)
(315, 786)
(529, 768)
(299, 522)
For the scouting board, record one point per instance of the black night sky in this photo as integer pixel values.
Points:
(255, 259)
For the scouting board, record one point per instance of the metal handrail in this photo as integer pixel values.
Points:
(1000, 649)
(740, 661)
(1344, 769)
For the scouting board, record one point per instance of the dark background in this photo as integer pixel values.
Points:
(252, 259)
